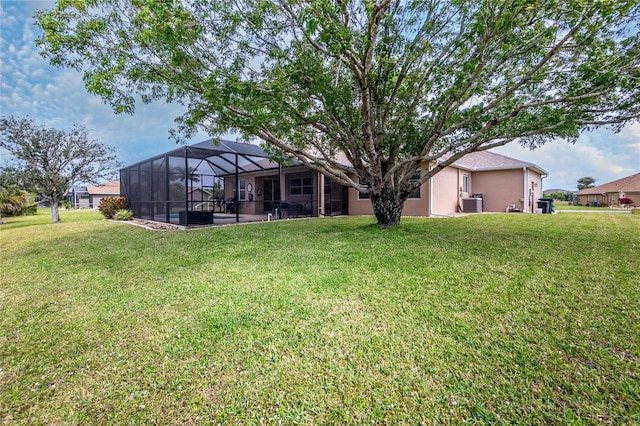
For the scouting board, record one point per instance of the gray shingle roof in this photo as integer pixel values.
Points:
(485, 161)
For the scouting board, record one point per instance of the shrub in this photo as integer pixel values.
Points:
(123, 215)
(109, 206)
(625, 200)
(65, 204)
(16, 202)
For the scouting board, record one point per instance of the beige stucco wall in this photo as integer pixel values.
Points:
(256, 206)
(447, 190)
(412, 207)
(247, 206)
(635, 196)
(500, 188)
(358, 207)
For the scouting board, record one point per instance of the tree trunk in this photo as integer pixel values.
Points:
(387, 207)
(55, 213)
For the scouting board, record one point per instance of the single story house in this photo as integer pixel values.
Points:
(608, 193)
(239, 179)
(98, 192)
(478, 182)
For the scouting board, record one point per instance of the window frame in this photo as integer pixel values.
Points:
(362, 196)
(301, 186)
(415, 195)
(243, 192)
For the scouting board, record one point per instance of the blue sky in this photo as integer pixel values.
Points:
(56, 97)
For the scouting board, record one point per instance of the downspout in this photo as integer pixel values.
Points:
(458, 191)
(430, 199)
(525, 185)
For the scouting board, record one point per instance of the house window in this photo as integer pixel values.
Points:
(301, 186)
(415, 178)
(465, 184)
(362, 196)
(243, 192)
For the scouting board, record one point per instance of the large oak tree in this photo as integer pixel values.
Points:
(50, 161)
(391, 84)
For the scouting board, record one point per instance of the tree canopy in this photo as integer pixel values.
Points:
(51, 161)
(586, 182)
(391, 85)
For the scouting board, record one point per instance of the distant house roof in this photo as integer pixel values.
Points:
(629, 183)
(109, 188)
(486, 161)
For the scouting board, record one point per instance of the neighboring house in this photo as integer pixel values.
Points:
(79, 197)
(608, 193)
(240, 179)
(97, 193)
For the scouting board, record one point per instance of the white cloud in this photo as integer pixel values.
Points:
(603, 155)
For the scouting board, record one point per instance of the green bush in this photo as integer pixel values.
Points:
(16, 202)
(66, 204)
(109, 206)
(123, 215)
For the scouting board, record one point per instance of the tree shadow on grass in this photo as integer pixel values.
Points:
(16, 222)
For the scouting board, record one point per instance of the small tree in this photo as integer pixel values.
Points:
(55, 160)
(586, 182)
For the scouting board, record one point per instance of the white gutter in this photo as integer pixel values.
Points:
(430, 194)
(525, 199)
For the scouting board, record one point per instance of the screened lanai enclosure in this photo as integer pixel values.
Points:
(218, 182)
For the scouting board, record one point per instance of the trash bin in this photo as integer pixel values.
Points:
(595, 204)
(543, 206)
(550, 201)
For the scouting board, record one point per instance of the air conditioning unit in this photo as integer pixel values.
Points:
(472, 205)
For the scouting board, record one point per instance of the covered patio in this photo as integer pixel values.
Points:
(186, 186)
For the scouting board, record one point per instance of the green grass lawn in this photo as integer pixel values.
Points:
(564, 205)
(488, 319)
